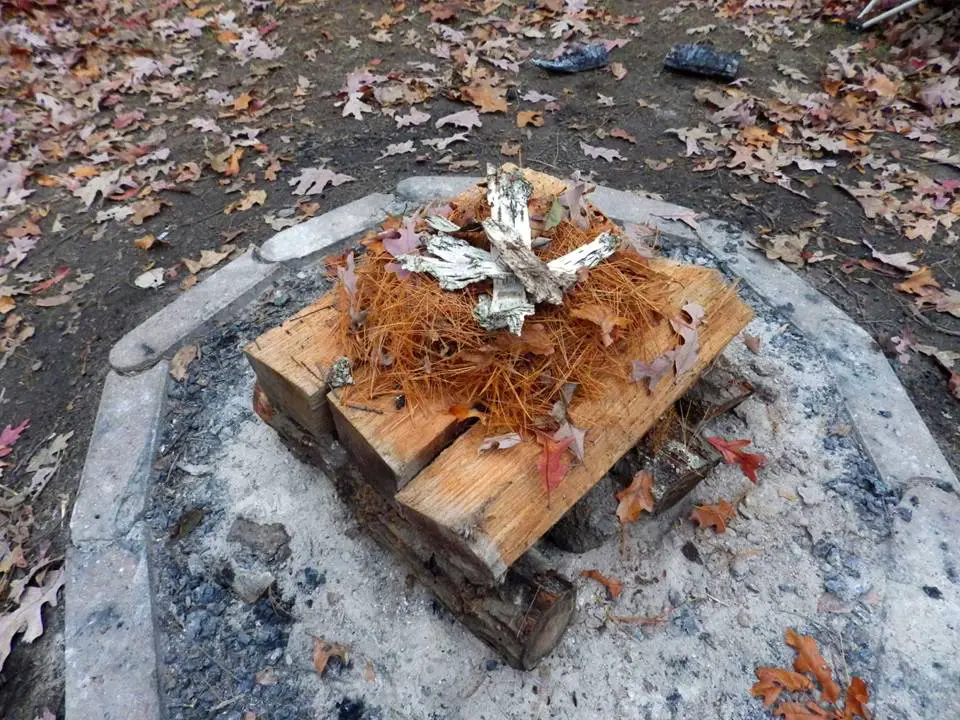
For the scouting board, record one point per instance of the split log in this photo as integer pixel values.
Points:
(486, 510)
(522, 619)
(489, 508)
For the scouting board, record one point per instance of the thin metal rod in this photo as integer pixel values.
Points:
(889, 13)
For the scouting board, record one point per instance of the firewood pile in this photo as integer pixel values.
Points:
(482, 365)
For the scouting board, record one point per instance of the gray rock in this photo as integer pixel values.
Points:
(811, 494)
(739, 568)
(250, 585)
(270, 543)
(589, 523)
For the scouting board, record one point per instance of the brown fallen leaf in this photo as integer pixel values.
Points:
(251, 198)
(618, 70)
(486, 97)
(144, 209)
(28, 618)
(771, 682)
(510, 149)
(7, 303)
(802, 711)
(604, 318)
(529, 117)
(323, 651)
(622, 134)
(855, 702)
(636, 498)
(920, 283)
(613, 586)
(810, 660)
(368, 672)
(713, 515)
(146, 242)
(752, 342)
(208, 258)
(181, 361)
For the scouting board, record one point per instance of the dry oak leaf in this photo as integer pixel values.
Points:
(920, 283)
(654, 371)
(604, 318)
(486, 97)
(466, 119)
(323, 651)
(613, 586)
(208, 258)
(529, 117)
(714, 515)
(181, 361)
(810, 660)
(313, 181)
(595, 151)
(27, 618)
(771, 682)
(733, 453)
(803, 711)
(553, 463)
(146, 242)
(622, 134)
(226, 163)
(511, 149)
(855, 702)
(636, 498)
(618, 70)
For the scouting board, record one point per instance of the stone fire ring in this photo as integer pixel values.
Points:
(110, 648)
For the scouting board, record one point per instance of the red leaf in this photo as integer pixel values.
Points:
(732, 452)
(553, 463)
(613, 586)
(47, 284)
(10, 435)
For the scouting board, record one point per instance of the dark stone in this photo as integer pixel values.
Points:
(691, 553)
(933, 592)
(350, 709)
(271, 543)
(491, 665)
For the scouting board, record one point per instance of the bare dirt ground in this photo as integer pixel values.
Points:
(124, 120)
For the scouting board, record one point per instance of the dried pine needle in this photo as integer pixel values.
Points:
(424, 342)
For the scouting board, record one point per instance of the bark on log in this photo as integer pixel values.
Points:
(523, 618)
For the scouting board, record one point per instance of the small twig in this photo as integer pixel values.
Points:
(924, 320)
(226, 703)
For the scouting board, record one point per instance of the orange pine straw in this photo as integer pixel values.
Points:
(424, 342)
